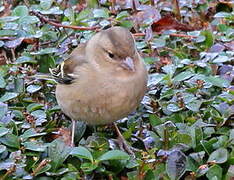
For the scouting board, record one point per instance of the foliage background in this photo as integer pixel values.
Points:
(182, 130)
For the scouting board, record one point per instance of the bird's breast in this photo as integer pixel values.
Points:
(100, 101)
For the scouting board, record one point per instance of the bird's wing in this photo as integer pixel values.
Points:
(64, 72)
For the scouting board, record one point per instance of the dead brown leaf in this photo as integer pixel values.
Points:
(169, 22)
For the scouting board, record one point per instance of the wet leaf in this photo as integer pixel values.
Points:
(81, 152)
(176, 164)
(219, 156)
(3, 109)
(8, 96)
(100, 13)
(3, 131)
(33, 88)
(20, 11)
(46, 4)
(114, 155)
(10, 140)
(58, 152)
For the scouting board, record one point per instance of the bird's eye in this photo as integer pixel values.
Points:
(111, 55)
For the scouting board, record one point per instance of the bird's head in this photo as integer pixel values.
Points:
(114, 49)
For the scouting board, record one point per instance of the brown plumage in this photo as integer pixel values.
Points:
(103, 80)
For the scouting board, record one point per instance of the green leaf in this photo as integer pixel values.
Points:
(173, 107)
(33, 88)
(33, 107)
(88, 167)
(183, 76)
(209, 38)
(114, 154)
(83, 15)
(222, 15)
(39, 114)
(2, 82)
(100, 13)
(45, 51)
(176, 164)
(31, 133)
(26, 20)
(157, 43)
(3, 109)
(44, 169)
(169, 69)
(3, 131)
(8, 96)
(20, 11)
(194, 105)
(126, 24)
(219, 156)
(34, 146)
(121, 15)
(217, 81)
(25, 59)
(58, 152)
(46, 4)
(8, 33)
(214, 172)
(2, 148)
(10, 140)
(81, 152)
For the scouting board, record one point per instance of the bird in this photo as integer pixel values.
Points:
(103, 80)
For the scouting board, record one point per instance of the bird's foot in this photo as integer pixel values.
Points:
(123, 145)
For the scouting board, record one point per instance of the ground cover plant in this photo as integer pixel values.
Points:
(184, 126)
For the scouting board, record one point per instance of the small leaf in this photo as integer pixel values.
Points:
(34, 146)
(46, 4)
(209, 38)
(2, 148)
(2, 82)
(157, 43)
(183, 76)
(10, 140)
(100, 13)
(3, 131)
(88, 167)
(81, 152)
(20, 11)
(25, 59)
(58, 152)
(176, 164)
(214, 172)
(217, 81)
(45, 168)
(8, 33)
(33, 88)
(26, 20)
(114, 155)
(173, 108)
(31, 133)
(45, 51)
(8, 96)
(194, 105)
(219, 156)
(3, 109)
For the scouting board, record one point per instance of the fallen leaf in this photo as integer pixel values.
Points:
(169, 22)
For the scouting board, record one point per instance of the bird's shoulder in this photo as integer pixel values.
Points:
(64, 72)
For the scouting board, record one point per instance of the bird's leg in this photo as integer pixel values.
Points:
(73, 133)
(122, 142)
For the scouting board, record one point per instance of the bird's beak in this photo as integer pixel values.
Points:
(128, 64)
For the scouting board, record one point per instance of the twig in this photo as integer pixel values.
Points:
(44, 19)
(42, 164)
(173, 34)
